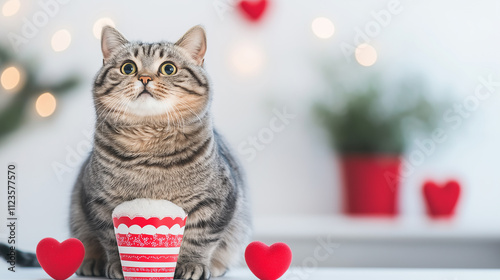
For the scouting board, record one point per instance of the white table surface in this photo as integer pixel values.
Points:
(297, 273)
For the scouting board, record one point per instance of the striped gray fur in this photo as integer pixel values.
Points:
(146, 149)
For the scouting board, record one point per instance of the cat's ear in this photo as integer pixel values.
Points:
(111, 39)
(195, 43)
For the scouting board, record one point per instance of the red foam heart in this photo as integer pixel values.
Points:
(268, 263)
(441, 201)
(60, 260)
(253, 10)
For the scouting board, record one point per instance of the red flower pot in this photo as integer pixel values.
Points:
(371, 184)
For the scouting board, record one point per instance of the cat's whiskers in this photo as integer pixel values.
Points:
(119, 110)
(180, 116)
(105, 111)
(126, 106)
(189, 108)
(105, 108)
(173, 91)
(168, 118)
(113, 106)
(179, 94)
(177, 117)
(174, 116)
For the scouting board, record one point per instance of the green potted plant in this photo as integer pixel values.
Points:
(370, 129)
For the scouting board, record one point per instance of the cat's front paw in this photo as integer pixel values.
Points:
(113, 270)
(192, 271)
(91, 267)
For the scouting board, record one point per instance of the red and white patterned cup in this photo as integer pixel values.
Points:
(149, 236)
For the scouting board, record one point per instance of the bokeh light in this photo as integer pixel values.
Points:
(11, 8)
(61, 40)
(99, 24)
(366, 55)
(45, 104)
(10, 78)
(323, 27)
(248, 59)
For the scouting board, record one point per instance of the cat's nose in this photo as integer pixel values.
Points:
(145, 79)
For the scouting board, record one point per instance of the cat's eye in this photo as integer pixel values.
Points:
(128, 68)
(168, 69)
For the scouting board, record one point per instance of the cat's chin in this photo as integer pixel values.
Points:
(147, 106)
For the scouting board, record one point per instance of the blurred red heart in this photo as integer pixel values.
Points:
(253, 10)
(268, 263)
(60, 260)
(441, 201)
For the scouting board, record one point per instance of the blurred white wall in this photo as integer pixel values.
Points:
(449, 43)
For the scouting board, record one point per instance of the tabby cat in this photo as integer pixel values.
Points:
(154, 138)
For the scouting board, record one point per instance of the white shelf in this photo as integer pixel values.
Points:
(372, 228)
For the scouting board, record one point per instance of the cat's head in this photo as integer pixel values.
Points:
(162, 83)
